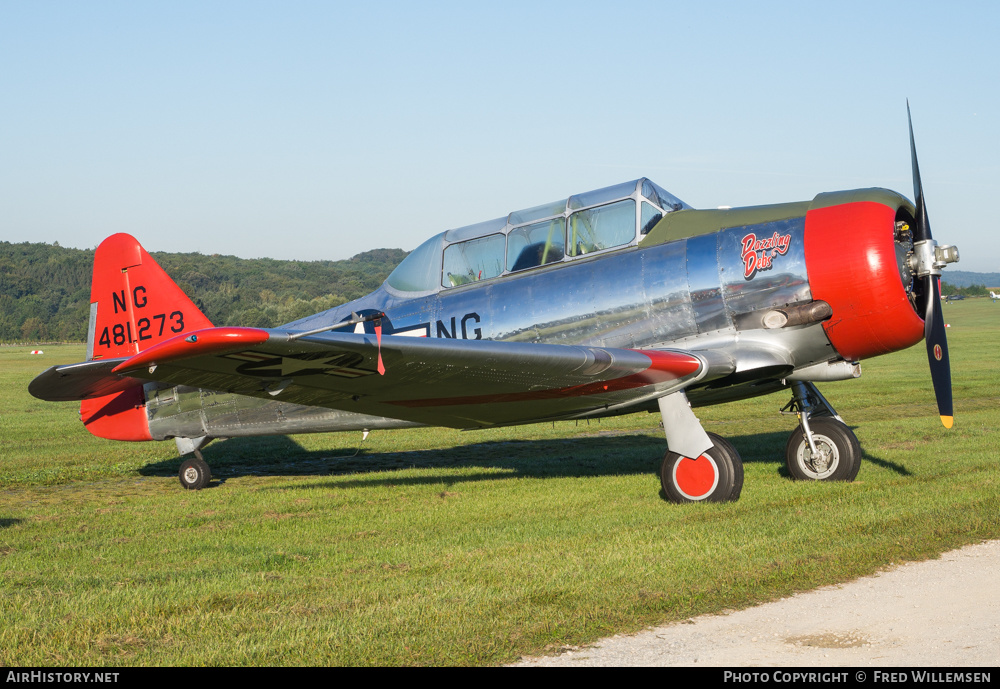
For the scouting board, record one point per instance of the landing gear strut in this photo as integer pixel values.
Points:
(823, 448)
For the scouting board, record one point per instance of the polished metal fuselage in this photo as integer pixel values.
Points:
(692, 293)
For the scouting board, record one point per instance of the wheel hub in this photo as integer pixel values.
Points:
(696, 478)
(191, 475)
(824, 460)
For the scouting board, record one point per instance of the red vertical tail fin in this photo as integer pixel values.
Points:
(133, 302)
(133, 305)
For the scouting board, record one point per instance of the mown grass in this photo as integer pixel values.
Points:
(434, 546)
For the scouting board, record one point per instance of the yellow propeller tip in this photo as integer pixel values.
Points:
(948, 421)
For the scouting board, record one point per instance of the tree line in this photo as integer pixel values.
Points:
(970, 291)
(45, 288)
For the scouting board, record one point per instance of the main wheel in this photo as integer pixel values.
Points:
(716, 476)
(837, 456)
(194, 473)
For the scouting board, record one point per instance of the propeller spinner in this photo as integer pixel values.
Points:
(926, 263)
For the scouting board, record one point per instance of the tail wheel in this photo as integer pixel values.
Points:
(194, 473)
(837, 456)
(715, 476)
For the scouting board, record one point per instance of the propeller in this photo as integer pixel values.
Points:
(929, 258)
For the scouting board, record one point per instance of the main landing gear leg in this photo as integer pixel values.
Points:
(698, 466)
(194, 473)
(823, 448)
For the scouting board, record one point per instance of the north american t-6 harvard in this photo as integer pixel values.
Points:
(608, 302)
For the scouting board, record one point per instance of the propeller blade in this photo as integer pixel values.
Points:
(922, 226)
(929, 300)
(937, 351)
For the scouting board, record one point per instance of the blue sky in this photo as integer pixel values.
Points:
(316, 130)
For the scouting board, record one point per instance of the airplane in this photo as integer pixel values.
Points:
(609, 302)
(994, 296)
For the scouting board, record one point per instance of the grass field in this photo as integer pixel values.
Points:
(434, 546)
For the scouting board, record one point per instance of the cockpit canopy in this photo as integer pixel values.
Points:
(584, 224)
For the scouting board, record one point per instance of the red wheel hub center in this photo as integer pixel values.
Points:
(696, 478)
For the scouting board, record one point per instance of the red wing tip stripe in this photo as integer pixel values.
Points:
(197, 343)
(677, 363)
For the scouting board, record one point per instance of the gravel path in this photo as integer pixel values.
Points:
(942, 612)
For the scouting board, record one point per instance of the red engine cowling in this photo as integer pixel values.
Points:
(853, 265)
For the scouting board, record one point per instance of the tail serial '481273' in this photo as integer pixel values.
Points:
(609, 302)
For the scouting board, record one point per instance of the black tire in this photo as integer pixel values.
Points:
(716, 476)
(194, 474)
(839, 452)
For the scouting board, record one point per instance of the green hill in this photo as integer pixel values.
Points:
(45, 289)
(965, 278)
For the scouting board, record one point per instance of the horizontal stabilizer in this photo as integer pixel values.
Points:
(82, 381)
